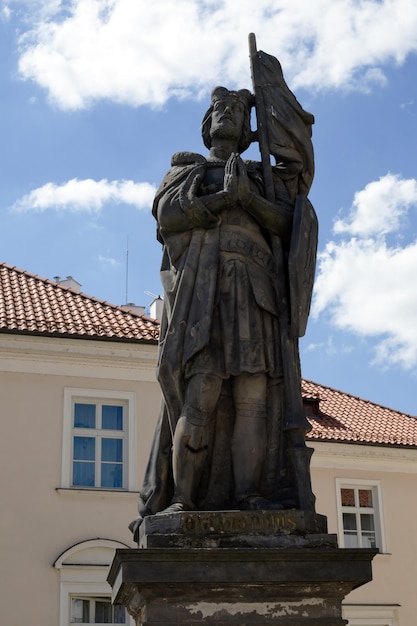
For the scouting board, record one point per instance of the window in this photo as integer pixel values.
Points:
(85, 595)
(98, 444)
(360, 519)
(86, 610)
(370, 614)
(370, 623)
(99, 440)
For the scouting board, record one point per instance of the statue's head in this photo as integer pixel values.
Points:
(238, 105)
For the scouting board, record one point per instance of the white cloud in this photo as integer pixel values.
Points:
(367, 286)
(33, 10)
(407, 106)
(329, 347)
(5, 13)
(109, 261)
(378, 209)
(143, 53)
(86, 195)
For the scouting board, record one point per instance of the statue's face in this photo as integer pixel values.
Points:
(227, 118)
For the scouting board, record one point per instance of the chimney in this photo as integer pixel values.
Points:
(156, 308)
(131, 307)
(311, 406)
(69, 281)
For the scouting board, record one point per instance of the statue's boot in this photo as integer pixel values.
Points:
(189, 456)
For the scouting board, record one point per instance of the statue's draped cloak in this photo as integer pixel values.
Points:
(189, 274)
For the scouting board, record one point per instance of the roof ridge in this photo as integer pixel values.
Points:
(351, 395)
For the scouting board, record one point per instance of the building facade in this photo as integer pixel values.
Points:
(364, 474)
(79, 403)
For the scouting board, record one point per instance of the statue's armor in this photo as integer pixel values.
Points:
(245, 275)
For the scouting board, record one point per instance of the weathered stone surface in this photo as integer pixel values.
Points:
(220, 529)
(294, 587)
(239, 248)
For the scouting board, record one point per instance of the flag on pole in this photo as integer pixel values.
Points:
(284, 131)
(286, 126)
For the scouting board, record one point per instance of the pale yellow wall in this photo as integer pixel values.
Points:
(395, 572)
(38, 522)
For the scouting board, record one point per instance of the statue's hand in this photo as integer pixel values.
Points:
(230, 178)
(244, 190)
(191, 204)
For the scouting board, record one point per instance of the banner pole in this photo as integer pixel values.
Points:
(262, 132)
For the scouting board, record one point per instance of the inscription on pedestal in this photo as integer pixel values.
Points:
(240, 522)
(279, 528)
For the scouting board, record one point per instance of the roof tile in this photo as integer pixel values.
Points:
(31, 304)
(346, 418)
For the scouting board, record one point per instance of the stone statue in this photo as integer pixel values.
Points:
(239, 242)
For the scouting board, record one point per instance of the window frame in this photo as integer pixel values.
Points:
(370, 614)
(378, 509)
(83, 570)
(92, 613)
(99, 396)
(370, 622)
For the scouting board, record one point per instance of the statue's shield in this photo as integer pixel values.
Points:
(302, 263)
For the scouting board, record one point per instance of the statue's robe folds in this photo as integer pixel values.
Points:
(190, 276)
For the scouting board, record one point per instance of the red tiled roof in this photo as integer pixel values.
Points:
(348, 419)
(30, 304)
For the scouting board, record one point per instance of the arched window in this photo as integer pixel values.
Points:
(85, 595)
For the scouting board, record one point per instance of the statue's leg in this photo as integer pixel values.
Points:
(249, 438)
(191, 439)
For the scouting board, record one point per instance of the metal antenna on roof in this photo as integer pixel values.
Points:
(127, 268)
(154, 295)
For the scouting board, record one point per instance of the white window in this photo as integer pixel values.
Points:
(360, 514)
(372, 622)
(100, 610)
(85, 595)
(98, 440)
(98, 444)
(370, 614)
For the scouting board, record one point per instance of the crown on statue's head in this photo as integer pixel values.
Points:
(242, 95)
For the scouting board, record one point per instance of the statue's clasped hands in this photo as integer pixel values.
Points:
(236, 181)
(204, 211)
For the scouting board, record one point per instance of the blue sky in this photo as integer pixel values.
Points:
(96, 95)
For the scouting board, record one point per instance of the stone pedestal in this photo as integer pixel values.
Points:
(234, 568)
